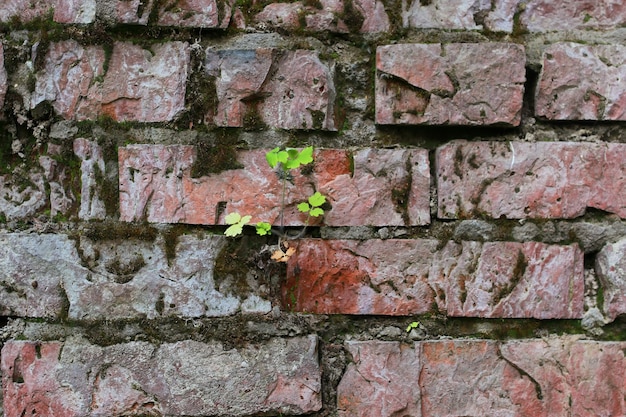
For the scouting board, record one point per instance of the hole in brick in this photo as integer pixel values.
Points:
(17, 376)
(530, 86)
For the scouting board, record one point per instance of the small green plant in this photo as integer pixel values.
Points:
(412, 325)
(283, 160)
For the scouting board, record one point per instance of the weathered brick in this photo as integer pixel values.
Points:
(530, 180)
(68, 79)
(127, 11)
(443, 14)
(375, 18)
(92, 169)
(550, 377)
(288, 90)
(3, 77)
(139, 85)
(32, 271)
(195, 13)
(367, 187)
(44, 185)
(383, 380)
(548, 16)
(406, 277)
(24, 10)
(71, 11)
(457, 84)
(327, 15)
(46, 276)
(611, 271)
(187, 378)
(582, 82)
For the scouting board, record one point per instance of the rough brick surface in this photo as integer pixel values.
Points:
(457, 84)
(551, 377)
(195, 13)
(375, 18)
(140, 85)
(46, 185)
(444, 14)
(33, 268)
(127, 11)
(115, 279)
(582, 82)
(406, 277)
(611, 270)
(383, 380)
(530, 180)
(24, 10)
(187, 378)
(71, 11)
(288, 89)
(92, 170)
(548, 16)
(372, 187)
(3, 77)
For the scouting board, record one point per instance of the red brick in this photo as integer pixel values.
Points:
(553, 377)
(368, 187)
(139, 85)
(457, 84)
(611, 271)
(383, 380)
(287, 90)
(71, 11)
(444, 14)
(530, 180)
(566, 15)
(582, 82)
(195, 13)
(407, 277)
(187, 378)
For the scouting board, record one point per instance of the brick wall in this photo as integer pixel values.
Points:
(471, 260)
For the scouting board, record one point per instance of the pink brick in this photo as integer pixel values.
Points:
(73, 11)
(375, 18)
(195, 13)
(611, 271)
(407, 277)
(549, 16)
(139, 85)
(287, 90)
(553, 377)
(367, 187)
(383, 380)
(187, 378)
(132, 11)
(444, 14)
(457, 84)
(3, 77)
(530, 180)
(326, 16)
(582, 82)
(25, 10)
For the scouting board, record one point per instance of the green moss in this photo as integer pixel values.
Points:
(170, 239)
(216, 153)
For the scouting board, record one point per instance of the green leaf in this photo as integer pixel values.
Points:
(234, 230)
(283, 157)
(316, 212)
(317, 199)
(245, 220)
(272, 157)
(306, 155)
(232, 218)
(304, 207)
(263, 228)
